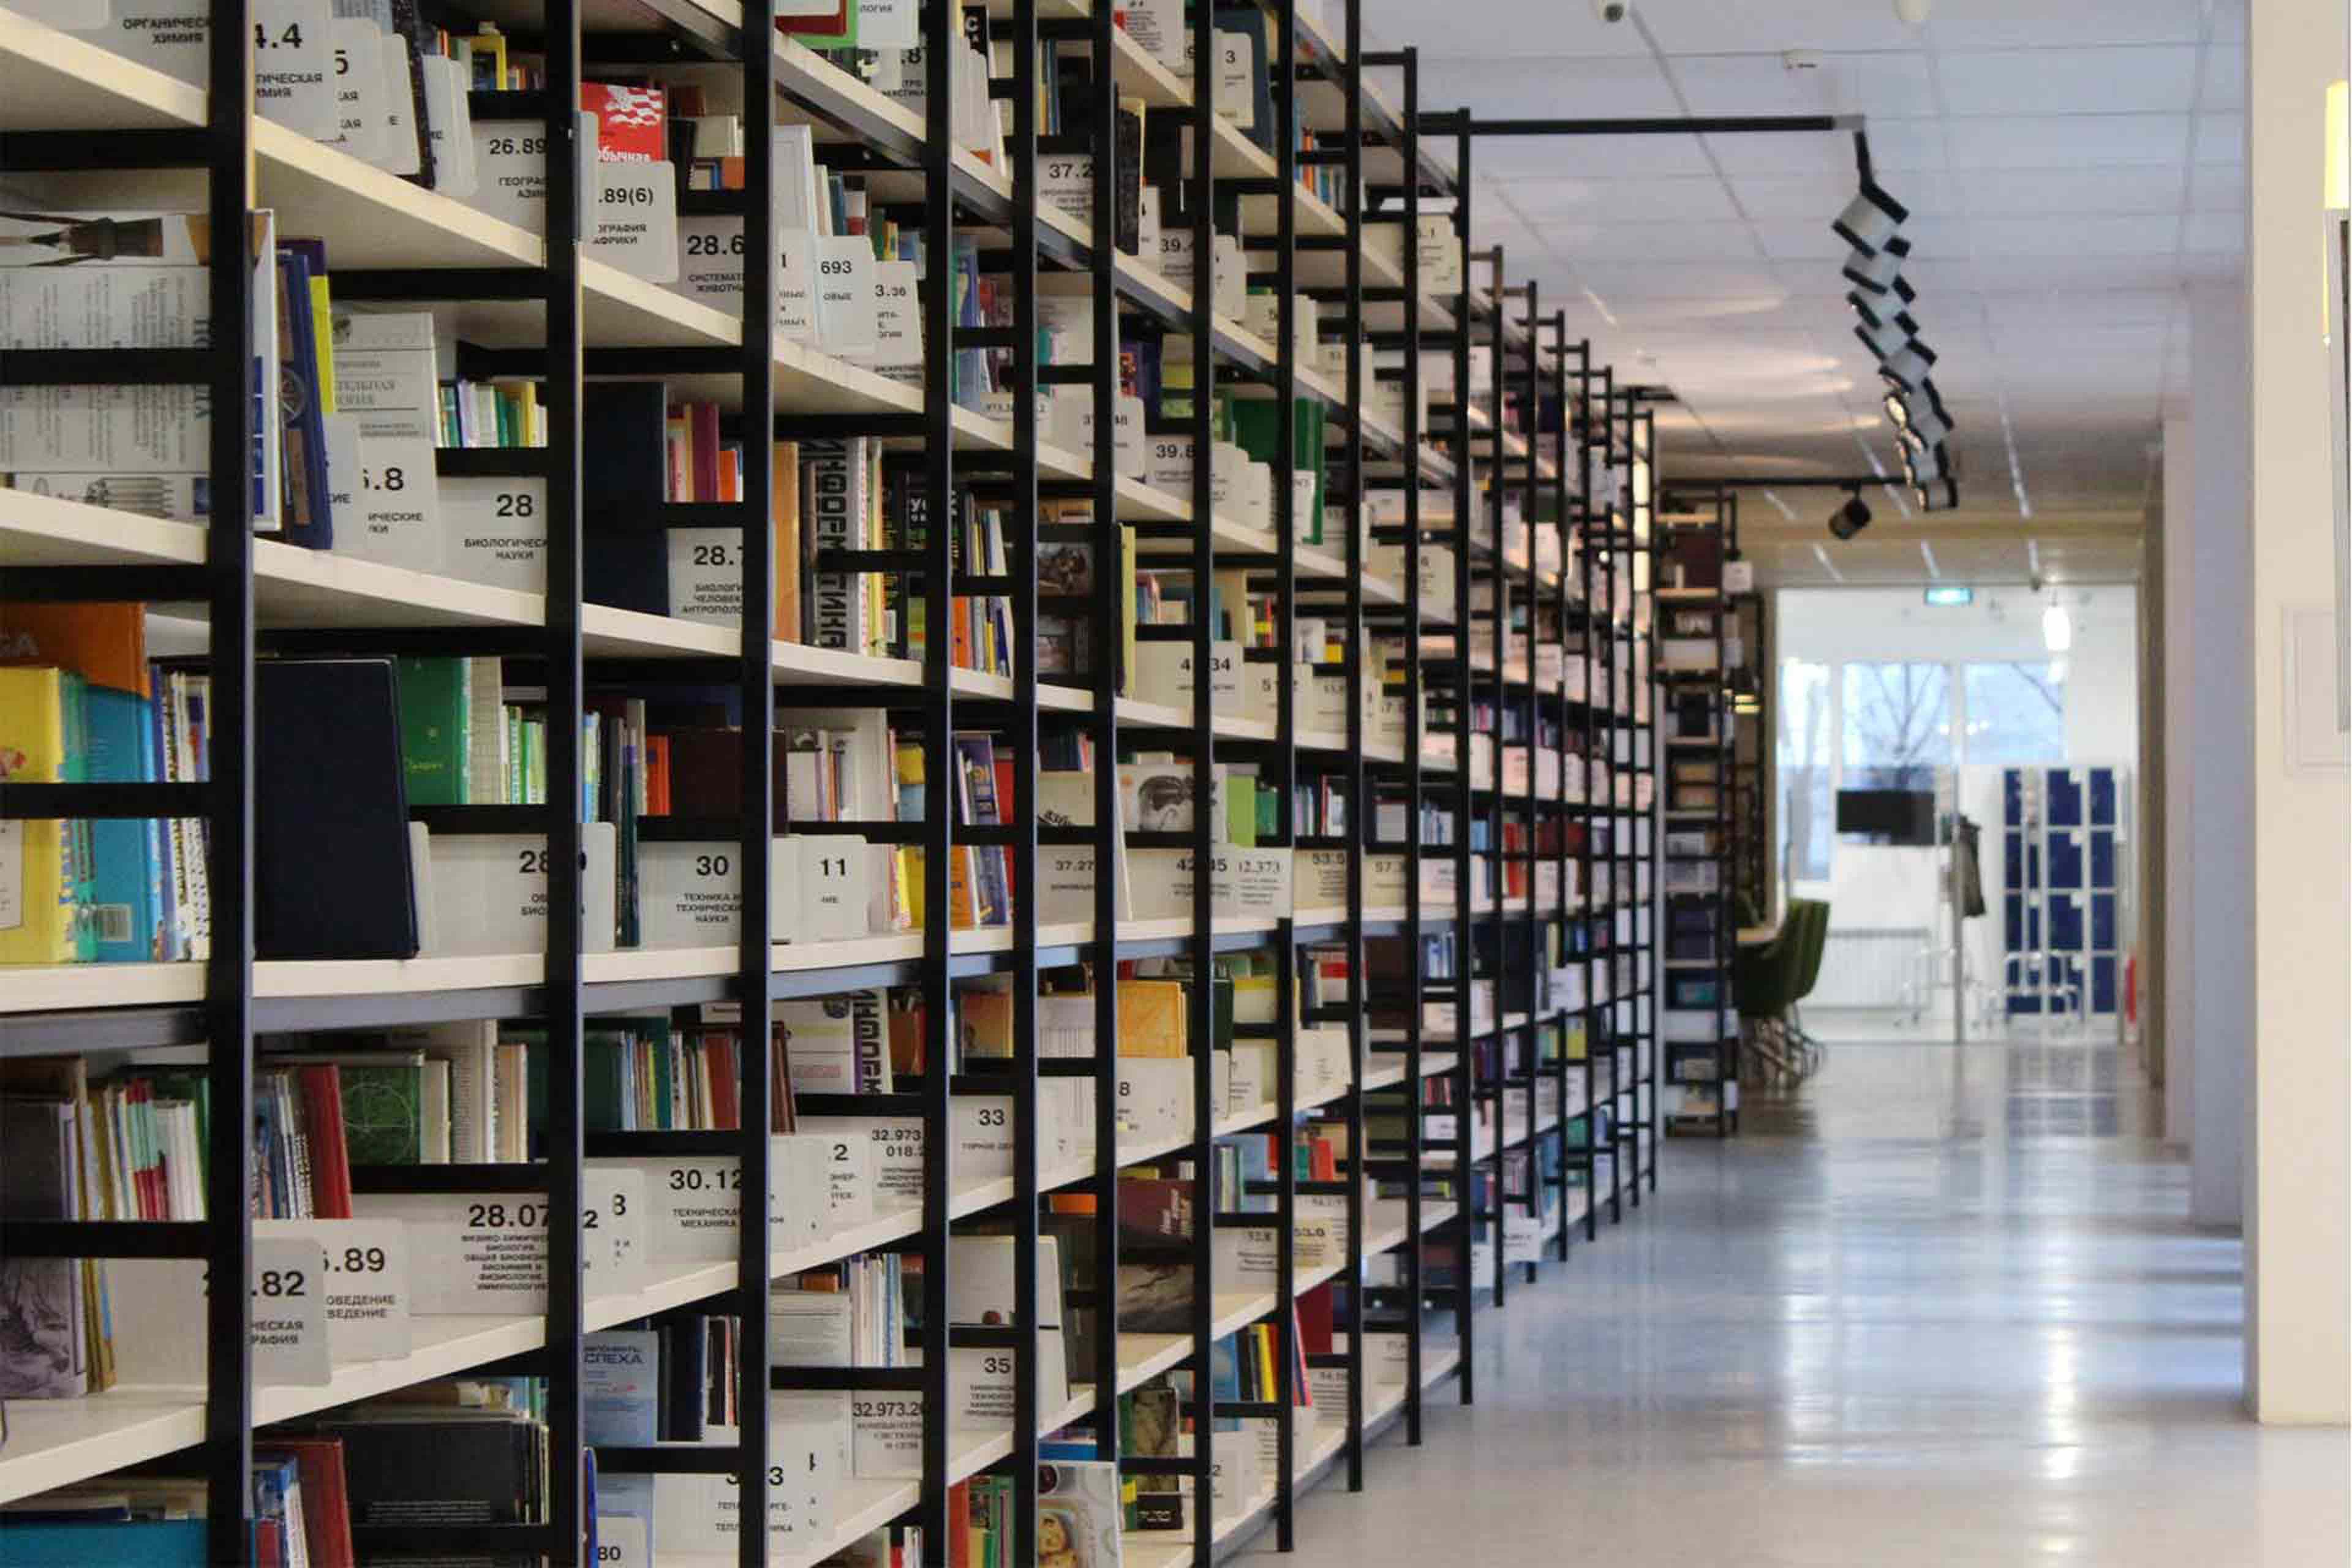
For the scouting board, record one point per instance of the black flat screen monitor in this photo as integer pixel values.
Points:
(1888, 816)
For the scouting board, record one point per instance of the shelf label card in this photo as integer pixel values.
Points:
(359, 119)
(158, 1316)
(489, 891)
(897, 324)
(845, 293)
(621, 1540)
(494, 531)
(293, 65)
(1158, 27)
(636, 219)
(617, 1247)
(511, 172)
(485, 1253)
(386, 497)
(364, 1271)
(1066, 183)
(887, 25)
(694, 1203)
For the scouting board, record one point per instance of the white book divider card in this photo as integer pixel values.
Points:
(982, 1150)
(636, 211)
(1243, 883)
(1250, 1080)
(692, 1204)
(807, 1462)
(381, 444)
(325, 1293)
(1155, 1096)
(485, 1253)
(1163, 674)
(690, 893)
(489, 892)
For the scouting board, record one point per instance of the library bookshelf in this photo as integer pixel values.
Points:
(1487, 651)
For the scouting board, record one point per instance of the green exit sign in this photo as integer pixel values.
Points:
(1947, 596)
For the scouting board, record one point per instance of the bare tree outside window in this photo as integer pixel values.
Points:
(2017, 713)
(1898, 724)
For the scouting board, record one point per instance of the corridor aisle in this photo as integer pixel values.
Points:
(1943, 1309)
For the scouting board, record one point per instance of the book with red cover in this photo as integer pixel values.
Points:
(1315, 1321)
(326, 1501)
(632, 123)
(330, 1161)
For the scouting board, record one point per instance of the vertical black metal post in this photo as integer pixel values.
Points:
(1414, 706)
(567, 218)
(1530, 408)
(1023, 851)
(1498, 485)
(1360, 836)
(228, 970)
(1283, 82)
(1466, 499)
(1201, 1020)
(755, 979)
(1112, 586)
(942, 43)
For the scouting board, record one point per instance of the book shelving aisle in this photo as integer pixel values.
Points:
(1700, 1025)
(606, 605)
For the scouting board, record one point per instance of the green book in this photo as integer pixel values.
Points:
(1241, 811)
(433, 714)
(605, 1087)
(1256, 433)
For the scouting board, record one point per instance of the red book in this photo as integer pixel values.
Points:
(834, 24)
(330, 1161)
(1315, 1321)
(960, 1525)
(632, 123)
(326, 1498)
(702, 422)
(725, 1088)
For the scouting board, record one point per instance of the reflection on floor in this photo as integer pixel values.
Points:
(1939, 1307)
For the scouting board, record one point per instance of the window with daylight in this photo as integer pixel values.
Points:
(1804, 752)
(1898, 724)
(2016, 712)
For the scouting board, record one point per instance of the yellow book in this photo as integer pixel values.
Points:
(1151, 1018)
(1127, 609)
(323, 328)
(37, 903)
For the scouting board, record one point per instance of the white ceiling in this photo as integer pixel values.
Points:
(2071, 166)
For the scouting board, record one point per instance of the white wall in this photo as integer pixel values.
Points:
(2299, 1255)
(2178, 973)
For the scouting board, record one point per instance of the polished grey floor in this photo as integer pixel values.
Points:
(1940, 1307)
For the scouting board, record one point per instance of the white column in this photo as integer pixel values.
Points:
(2217, 738)
(2177, 965)
(2299, 1173)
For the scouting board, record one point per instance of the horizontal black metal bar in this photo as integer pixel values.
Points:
(464, 819)
(835, 1379)
(491, 1540)
(490, 103)
(1250, 1409)
(489, 462)
(859, 1104)
(1690, 125)
(515, 1178)
(110, 367)
(655, 1142)
(27, 152)
(684, 1459)
(1157, 1465)
(39, 802)
(116, 584)
(445, 283)
(986, 1336)
(104, 1238)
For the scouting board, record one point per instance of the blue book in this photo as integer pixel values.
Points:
(1225, 1379)
(140, 1543)
(620, 1388)
(128, 880)
(626, 1496)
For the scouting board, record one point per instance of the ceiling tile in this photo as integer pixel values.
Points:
(2010, 192)
(1898, 146)
(1590, 157)
(2035, 24)
(1764, 26)
(2037, 310)
(2221, 138)
(1698, 200)
(1782, 153)
(2222, 84)
(2218, 188)
(2147, 234)
(2224, 232)
(1493, 30)
(1670, 279)
(2068, 140)
(1581, 242)
(1891, 83)
(2045, 81)
(1525, 85)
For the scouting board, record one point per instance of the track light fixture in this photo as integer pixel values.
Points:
(1923, 428)
(1881, 272)
(1850, 519)
(1923, 464)
(1870, 219)
(1908, 367)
